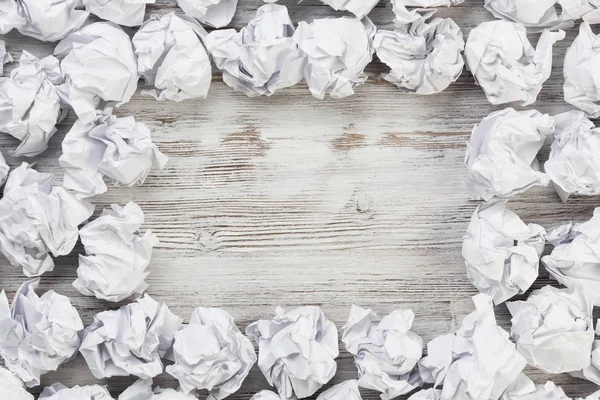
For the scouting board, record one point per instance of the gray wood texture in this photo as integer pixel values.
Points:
(290, 201)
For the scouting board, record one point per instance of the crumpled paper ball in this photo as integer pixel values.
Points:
(37, 219)
(122, 12)
(582, 82)
(501, 252)
(215, 13)
(360, 8)
(296, 350)
(46, 20)
(118, 148)
(523, 388)
(117, 256)
(5, 56)
(591, 372)
(262, 57)
(424, 55)
(479, 362)
(386, 354)
(265, 395)
(31, 104)
(347, 390)
(38, 334)
(337, 51)
(58, 391)
(553, 329)
(427, 394)
(573, 166)
(543, 13)
(501, 155)
(11, 387)
(142, 390)
(171, 58)
(575, 261)
(211, 353)
(130, 340)
(86, 86)
(506, 65)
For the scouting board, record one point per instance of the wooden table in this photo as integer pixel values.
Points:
(290, 201)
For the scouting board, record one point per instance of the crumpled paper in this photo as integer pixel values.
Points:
(30, 103)
(60, 392)
(262, 57)
(427, 394)
(118, 148)
(265, 395)
(142, 390)
(553, 329)
(582, 83)
(296, 350)
(592, 372)
(524, 389)
(171, 58)
(46, 20)
(479, 362)
(501, 156)
(575, 261)
(426, 3)
(211, 353)
(386, 354)
(11, 387)
(505, 64)
(4, 168)
(215, 13)
(37, 334)
(360, 8)
(543, 13)
(5, 56)
(86, 86)
(501, 252)
(424, 56)
(117, 255)
(347, 390)
(573, 166)
(37, 219)
(122, 12)
(337, 51)
(130, 340)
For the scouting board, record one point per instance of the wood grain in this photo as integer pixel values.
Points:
(289, 200)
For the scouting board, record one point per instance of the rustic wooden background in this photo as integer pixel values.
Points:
(290, 201)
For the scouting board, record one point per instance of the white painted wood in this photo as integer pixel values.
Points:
(289, 200)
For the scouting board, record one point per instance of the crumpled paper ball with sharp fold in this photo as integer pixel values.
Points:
(360, 8)
(142, 390)
(386, 354)
(58, 391)
(337, 51)
(171, 57)
(37, 219)
(296, 350)
(46, 20)
(553, 329)
(501, 155)
(31, 103)
(573, 165)
(118, 148)
(117, 256)
(86, 87)
(479, 362)
(347, 390)
(575, 261)
(506, 65)
(12, 387)
(130, 340)
(262, 57)
(501, 252)
(523, 388)
(582, 80)
(122, 12)
(211, 353)
(215, 13)
(424, 55)
(37, 333)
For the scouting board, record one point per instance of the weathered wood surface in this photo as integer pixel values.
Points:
(290, 201)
